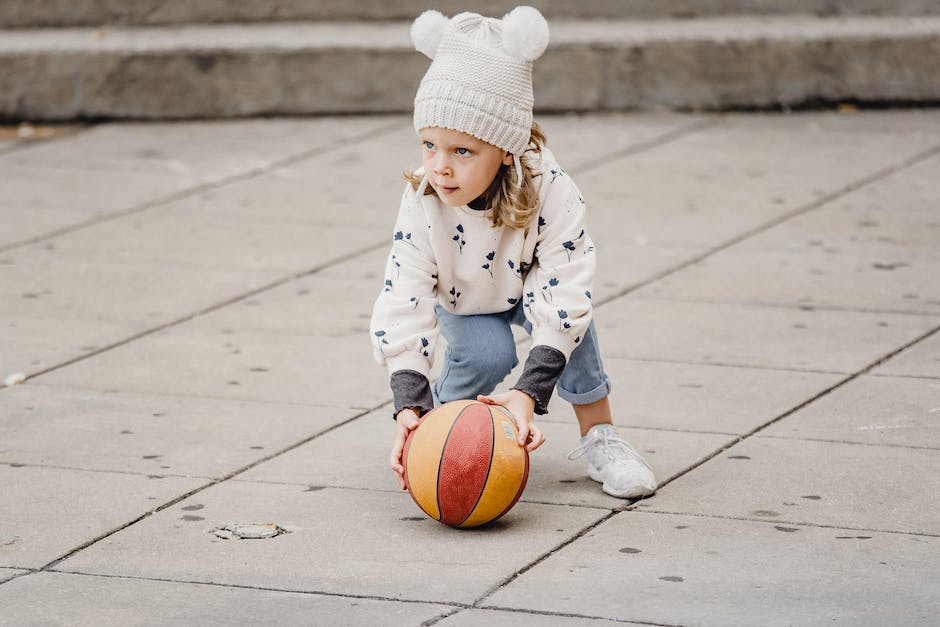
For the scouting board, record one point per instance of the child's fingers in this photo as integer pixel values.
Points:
(537, 438)
(399, 471)
(394, 458)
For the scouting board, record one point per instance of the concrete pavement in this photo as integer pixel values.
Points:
(189, 305)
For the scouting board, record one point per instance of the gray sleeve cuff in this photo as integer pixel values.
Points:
(412, 390)
(543, 367)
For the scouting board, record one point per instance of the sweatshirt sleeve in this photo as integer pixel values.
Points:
(404, 328)
(558, 289)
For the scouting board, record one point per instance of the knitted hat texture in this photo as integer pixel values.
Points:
(480, 79)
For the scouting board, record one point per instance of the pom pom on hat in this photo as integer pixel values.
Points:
(426, 32)
(525, 33)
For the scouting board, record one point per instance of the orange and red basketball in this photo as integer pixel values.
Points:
(463, 464)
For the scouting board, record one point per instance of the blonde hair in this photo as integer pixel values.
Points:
(505, 202)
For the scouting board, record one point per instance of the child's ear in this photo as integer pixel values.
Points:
(507, 158)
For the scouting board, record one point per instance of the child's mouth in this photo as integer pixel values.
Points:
(447, 190)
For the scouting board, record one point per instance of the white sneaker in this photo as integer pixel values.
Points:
(614, 463)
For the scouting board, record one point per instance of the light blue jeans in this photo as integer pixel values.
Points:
(481, 351)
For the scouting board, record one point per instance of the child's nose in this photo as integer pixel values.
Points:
(441, 166)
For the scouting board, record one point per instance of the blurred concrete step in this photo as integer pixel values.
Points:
(74, 13)
(227, 70)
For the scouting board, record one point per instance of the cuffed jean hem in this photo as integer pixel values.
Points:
(586, 398)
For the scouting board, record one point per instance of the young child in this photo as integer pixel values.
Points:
(491, 233)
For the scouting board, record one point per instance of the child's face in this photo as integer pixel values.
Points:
(459, 167)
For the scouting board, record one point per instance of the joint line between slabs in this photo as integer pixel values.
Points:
(889, 375)
(210, 484)
(201, 188)
(850, 443)
(436, 619)
(722, 364)
(341, 595)
(923, 313)
(659, 140)
(28, 571)
(919, 534)
(632, 621)
(531, 612)
(135, 473)
(325, 486)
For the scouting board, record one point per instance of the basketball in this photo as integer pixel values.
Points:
(463, 464)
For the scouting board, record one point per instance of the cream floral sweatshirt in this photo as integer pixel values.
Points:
(454, 257)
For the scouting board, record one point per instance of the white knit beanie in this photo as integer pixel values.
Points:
(480, 80)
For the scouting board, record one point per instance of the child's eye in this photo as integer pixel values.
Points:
(428, 145)
(463, 151)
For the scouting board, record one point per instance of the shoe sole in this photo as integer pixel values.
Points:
(629, 494)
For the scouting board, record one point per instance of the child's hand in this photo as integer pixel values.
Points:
(407, 420)
(522, 408)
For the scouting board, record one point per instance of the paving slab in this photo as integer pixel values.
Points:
(355, 185)
(870, 410)
(354, 542)
(336, 372)
(754, 172)
(892, 220)
(55, 310)
(697, 397)
(36, 201)
(57, 598)
(48, 512)
(754, 336)
(198, 151)
(920, 360)
(149, 433)
(625, 263)
(182, 235)
(552, 478)
(330, 304)
(881, 488)
(580, 141)
(806, 279)
(688, 570)
(874, 248)
(134, 268)
(115, 167)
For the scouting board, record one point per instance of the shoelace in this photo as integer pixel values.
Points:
(615, 449)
